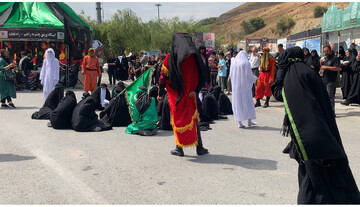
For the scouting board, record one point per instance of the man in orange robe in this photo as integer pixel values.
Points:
(183, 74)
(91, 70)
(266, 77)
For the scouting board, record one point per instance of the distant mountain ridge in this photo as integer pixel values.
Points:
(229, 23)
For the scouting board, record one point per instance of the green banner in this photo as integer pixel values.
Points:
(335, 20)
(143, 80)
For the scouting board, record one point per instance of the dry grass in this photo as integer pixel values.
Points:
(301, 12)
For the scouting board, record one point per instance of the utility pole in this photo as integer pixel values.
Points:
(98, 12)
(158, 6)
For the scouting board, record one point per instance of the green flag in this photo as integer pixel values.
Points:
(130, 91)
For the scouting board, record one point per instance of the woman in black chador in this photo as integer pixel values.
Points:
(324, 173)
(117, 112)
(60, 118)
(50, 104)
(84, 118)
(347, 75)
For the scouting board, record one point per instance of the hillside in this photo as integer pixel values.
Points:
(229, 23)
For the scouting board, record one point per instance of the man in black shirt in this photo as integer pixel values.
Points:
(25, 66)
(138, 67)
(330, 65)
(111, 68)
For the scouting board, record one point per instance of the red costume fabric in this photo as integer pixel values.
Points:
(263, 84)
(184, 114)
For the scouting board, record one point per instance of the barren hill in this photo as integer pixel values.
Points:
(229, 23)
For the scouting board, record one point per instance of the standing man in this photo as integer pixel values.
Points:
(138, 67)
(266, 78)
(183, 74)
(91, 70)
(49, 74)
(330, 66)
(255, 64)
(112, 68)
(25, 66)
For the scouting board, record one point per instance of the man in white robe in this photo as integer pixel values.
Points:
(49, 75)
(242, 80)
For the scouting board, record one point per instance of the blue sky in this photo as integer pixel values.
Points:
(147, 10)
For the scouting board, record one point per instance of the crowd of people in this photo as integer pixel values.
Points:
(186, 91)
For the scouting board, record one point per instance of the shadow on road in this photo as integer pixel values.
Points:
(164, 133)
(342, 115)
(14, 158)
(267, 128)
(26, 107)
(245, 162)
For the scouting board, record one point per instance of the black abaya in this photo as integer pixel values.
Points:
(50, 104)
(117, 112)
(324, 173)
(60, 118)
(85, 119)
(347, 75)
(354, 93)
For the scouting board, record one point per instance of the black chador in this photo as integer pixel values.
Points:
(84, 117)
(51, 103)
(324, 173)
(117, 112)
(163, 109)
(210, 106)
(60, 118)
(99, 95)
(225, 107)
(347, 74)
(354, 93)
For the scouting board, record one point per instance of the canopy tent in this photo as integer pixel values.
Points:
(36, 26)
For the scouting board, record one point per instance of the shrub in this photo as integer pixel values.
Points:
(253, 25)
(319, 11)
(284, 24)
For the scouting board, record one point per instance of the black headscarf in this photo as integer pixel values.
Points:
(182, 47)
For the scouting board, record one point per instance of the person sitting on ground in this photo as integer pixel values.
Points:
(60, 118)
(101, 96)
(51, 103)
(84, 118)
(225, 107)
(144, 114)
(120, 87)
(117, 112)
(209, 105)
(163, 109)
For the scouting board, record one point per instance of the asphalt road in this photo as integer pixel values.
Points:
(40, 165)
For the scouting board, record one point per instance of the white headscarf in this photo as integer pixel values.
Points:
(240, 72)
(49, 75)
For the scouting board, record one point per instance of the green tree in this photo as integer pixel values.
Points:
(319, 11)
